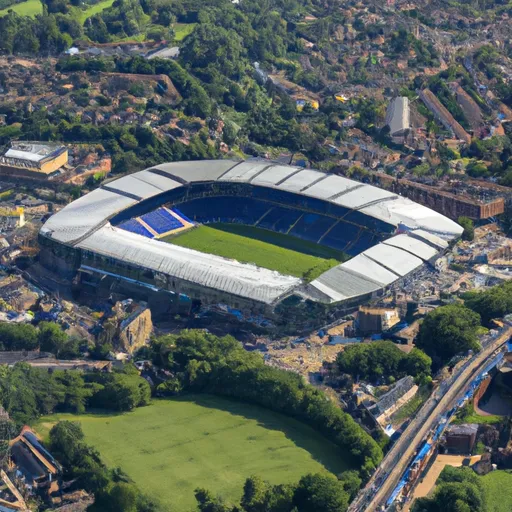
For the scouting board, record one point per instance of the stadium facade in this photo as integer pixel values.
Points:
(108, 239)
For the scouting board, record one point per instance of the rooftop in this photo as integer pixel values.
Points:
(32, 151)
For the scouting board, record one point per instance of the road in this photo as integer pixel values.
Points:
(388, 474)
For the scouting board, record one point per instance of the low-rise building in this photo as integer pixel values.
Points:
(460, 438)
(34, 465)
(35, 160)
(376, 320)
(398, 116)
(390, 402)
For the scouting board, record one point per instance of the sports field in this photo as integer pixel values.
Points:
(498, 491)
(275, 251)
(174, 446)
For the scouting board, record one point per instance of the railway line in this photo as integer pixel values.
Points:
(380, 487)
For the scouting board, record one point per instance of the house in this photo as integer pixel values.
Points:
(32, 462)
(460, 438)
(390, 402)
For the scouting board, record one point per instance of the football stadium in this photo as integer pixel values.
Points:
(263, 242)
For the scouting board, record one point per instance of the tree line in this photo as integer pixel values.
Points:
(47, 337)
(203, 362)
(27, 393)
(313, 493)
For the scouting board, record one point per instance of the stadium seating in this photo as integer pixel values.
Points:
(161, 221)
(305, 225)
(280, 219)
(341, 236)
(312, 226)
(236, 210)
(182, 215)
(135, 227)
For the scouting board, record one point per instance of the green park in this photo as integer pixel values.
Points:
(173, 446)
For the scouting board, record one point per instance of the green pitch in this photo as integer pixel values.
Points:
(174, 446)
(286, 254)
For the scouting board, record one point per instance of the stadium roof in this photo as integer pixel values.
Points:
(85, 224)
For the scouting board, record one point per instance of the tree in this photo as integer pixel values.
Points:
(211, 45)
(351, 482)
(382, 360)
(121, 496)
(493, 303)
(448, 331)
(320, 493)
(18, 336)
(469, 228)
(51, 338)
(120, 391)
(417, 363)
(458, 490)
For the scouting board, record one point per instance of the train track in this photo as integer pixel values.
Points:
(388, 474)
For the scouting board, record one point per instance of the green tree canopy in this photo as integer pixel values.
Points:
(320, 493)
(495, 302)
(382, 360)
(469, 228)
(448, 331)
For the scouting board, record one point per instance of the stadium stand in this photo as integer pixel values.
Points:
(134, 226)
(280, 219)
(161, 221)
(312, 226)
(182, 215)
(295, 222)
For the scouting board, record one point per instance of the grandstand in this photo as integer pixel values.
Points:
(110, 237)
(157, 224)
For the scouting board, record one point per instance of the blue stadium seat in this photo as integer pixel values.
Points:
(182, 215)
(280, 219)
(161, 221)
(312, 226)
(341, 236)
(135, 227)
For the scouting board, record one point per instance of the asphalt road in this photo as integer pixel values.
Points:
(397, 459)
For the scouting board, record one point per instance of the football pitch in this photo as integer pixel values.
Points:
(276, 251)
(174, 446)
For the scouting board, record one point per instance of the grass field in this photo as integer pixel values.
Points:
(173, 446)
(275, 251)
(181, 30)
(33, 7)
(498, 491)
(28, 8)
(94, 9)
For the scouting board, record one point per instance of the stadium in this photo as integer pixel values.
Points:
(129, 237)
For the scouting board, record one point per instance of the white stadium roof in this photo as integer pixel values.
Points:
(85, 224)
